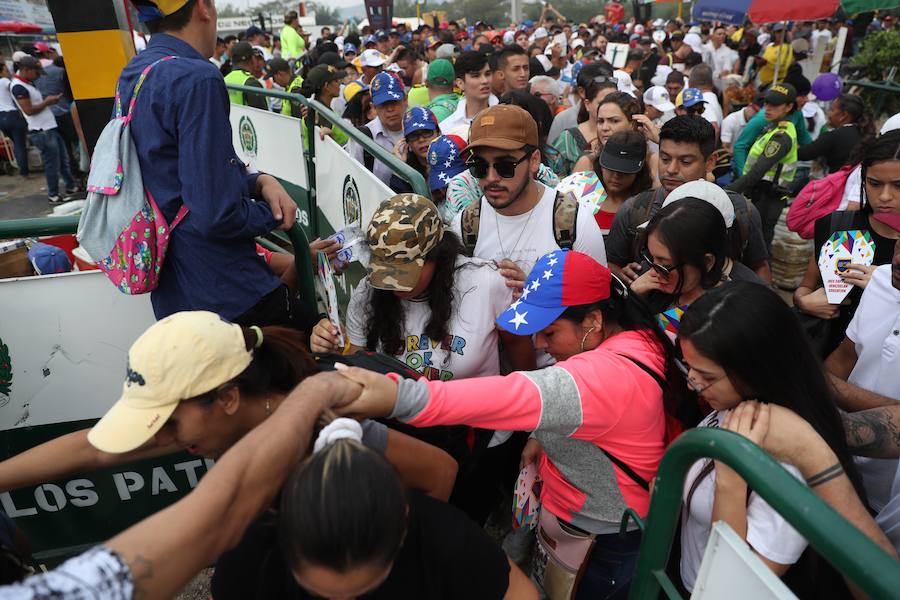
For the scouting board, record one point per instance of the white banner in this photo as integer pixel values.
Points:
(270, 142)
(347, 192)
(64, 343)
(27, 11)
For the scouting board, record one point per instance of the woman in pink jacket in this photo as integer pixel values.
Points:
(599, 414)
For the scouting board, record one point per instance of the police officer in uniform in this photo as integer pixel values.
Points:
(771, 165)
(242, 57)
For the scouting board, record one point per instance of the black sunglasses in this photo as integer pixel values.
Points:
(505, 167)
(662, 271)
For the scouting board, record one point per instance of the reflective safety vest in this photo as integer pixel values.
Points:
(292, 88)
(788, 164)
(237, 77)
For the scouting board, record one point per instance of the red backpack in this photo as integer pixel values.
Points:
(818, 198)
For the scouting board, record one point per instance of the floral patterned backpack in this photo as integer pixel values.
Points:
(122, 227)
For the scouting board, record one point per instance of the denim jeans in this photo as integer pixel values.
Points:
(13, 125)
(55, 158)
(610, 567)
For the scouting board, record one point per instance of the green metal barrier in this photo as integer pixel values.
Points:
(856, 556)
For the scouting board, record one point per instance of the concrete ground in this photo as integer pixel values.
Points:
(23, 197)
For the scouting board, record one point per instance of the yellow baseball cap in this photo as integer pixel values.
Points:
(183, 356)
(152, 10)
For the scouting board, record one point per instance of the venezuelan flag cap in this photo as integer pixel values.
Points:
(151, 10)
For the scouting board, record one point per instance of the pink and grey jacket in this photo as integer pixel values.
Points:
(595, 399)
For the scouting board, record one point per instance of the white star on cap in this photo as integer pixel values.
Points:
(448, 163)
(535, 285)
(525, 293)
(552, 261)
(443, 177)
(519, 319)
(548, 274)
(394, 95)
(515, 304)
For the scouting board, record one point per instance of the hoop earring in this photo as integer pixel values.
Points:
(586, 333)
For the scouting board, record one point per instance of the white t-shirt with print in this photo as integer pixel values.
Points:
(527, 237)
(471, 348)
(732, 127)
(767, 532)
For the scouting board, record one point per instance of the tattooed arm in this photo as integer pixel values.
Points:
(875, 432)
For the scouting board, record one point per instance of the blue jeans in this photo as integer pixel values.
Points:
(13, 125)
(55, 158)
(610, 567)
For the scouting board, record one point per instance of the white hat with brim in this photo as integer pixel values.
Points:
(183, 356)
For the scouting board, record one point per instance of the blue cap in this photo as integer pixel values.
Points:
(47, 259)
(370, 39)
(386, 88)
(528, 23)
(446, 160)
(406, 38)
(348, 47)
(252, 30)
(560, 279)
(419, 119)
(690, 97)
(381, 35)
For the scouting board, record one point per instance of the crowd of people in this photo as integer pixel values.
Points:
(505, 332)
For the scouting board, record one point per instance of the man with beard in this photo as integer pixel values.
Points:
(685, 154)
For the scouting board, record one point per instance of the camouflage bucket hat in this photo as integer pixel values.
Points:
(402, 232)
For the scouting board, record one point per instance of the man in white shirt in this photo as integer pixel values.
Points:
(386, 129)
(733, 124)
(473, 77)
(702, 79)
(820, 36)
(515, 220)
(42, 127)
(720, 57)
(869, 360)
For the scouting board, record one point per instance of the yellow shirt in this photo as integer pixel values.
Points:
(292, 45)
(770, 54)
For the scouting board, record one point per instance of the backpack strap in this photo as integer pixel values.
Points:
(137, 88)
(626, 469)
(470, 222)
(368, 158)
(565, 220)
(638, 215)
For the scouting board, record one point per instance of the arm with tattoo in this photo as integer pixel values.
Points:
(875, 432)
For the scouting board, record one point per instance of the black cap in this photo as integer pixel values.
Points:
(333, 59)
(317, 77)
(781, 93)
(243, 51)
(276, 65)
(623, 157)
(677, 35)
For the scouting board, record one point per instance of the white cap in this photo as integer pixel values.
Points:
(639, 29)
(695, 29)
(707, 191)
(372, 58)
(624, 83)
(577, 43)
(539, 33)
(659, 23)
(658, 98)
(509, 37)
(600, 19)
(545, 62)
(662, 72)
(447, 51)
(18, 55)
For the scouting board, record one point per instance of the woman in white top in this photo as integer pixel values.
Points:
(12, 123)
(740, 342)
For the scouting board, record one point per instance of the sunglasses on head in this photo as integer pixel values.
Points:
(661, 270)
(505, 167)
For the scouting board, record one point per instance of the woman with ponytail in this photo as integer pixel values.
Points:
(601, 416)
(198, 383)
(851, 125)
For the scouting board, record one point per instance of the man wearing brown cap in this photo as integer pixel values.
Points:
(517, 219)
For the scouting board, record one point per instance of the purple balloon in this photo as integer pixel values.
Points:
(827, 86)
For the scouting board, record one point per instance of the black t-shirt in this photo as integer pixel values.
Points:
(834, 146)
(445, 556)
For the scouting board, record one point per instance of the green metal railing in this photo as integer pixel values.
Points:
(856, 556)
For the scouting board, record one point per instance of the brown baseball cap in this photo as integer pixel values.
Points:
(503, 126)
(403, 230)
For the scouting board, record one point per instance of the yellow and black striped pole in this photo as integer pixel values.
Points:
(96, 41)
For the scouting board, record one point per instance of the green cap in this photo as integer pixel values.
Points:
(440, 72)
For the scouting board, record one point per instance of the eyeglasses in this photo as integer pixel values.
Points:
(661, 270)
(693, 384)
(505, 167)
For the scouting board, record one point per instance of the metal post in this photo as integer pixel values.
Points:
(838, 50)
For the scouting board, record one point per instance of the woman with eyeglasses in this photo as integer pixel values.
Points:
(742, 342)
(574, 142)
(420, 127)
(686, 255)
(601, 416)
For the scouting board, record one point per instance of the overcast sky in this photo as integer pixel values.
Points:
(246, 3)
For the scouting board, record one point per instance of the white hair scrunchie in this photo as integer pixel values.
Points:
(342, 428)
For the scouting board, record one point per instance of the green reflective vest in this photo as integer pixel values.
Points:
(237, 77)
(788, 163)
(292, 88)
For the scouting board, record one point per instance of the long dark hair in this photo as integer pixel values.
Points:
(885, 147)
(644, 179)
(861, 116)
(752, 334)
(344, 507)
(629, 312)
(692, 228)
(629, 104)
(356, 109)
(590, 92)
(386, 310)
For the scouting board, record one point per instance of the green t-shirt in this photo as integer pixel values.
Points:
(443, 106)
